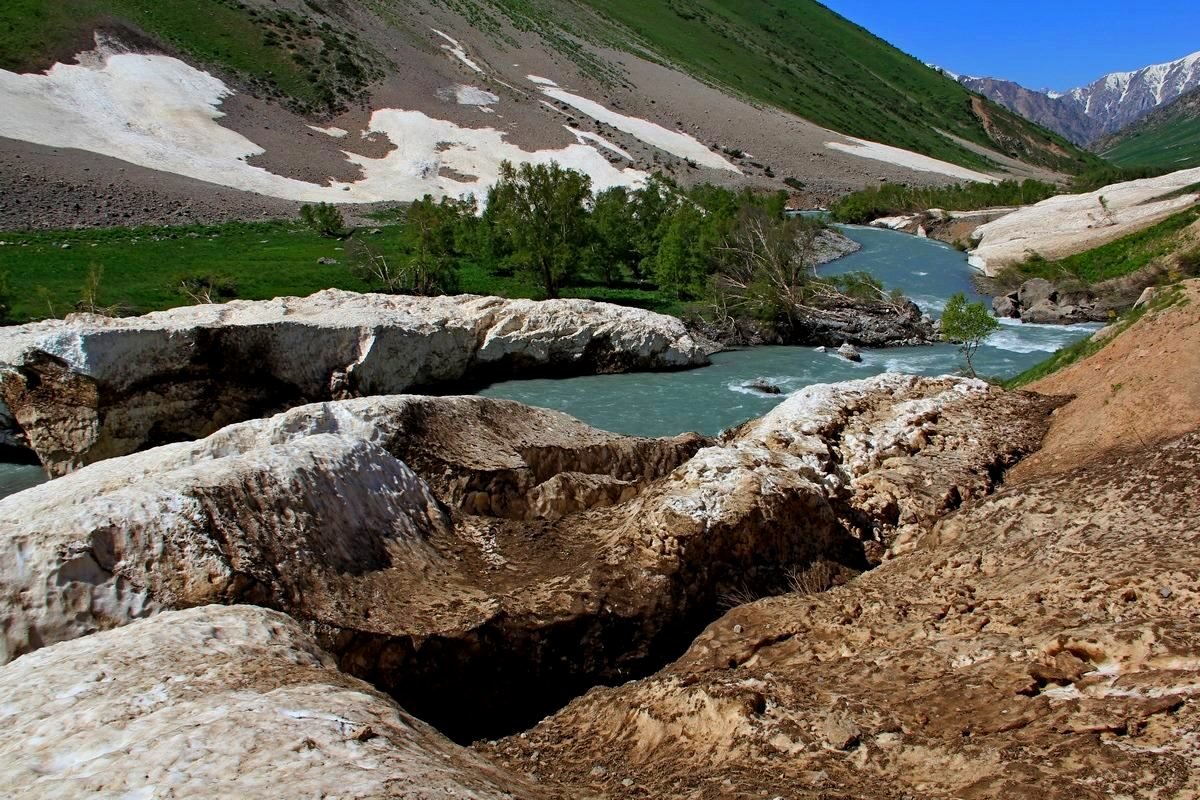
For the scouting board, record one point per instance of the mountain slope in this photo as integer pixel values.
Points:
(802, 57)
(1168, 137)
(359, 101)
(1053, 113)
(1121, 98)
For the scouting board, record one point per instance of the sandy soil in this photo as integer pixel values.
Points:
(1141, 389)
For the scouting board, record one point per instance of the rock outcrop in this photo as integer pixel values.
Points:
(862, 323)
(440, 547)
(1039, 301)
(1073, 223)
(90, 388)
(219, 702)
(1040, 643)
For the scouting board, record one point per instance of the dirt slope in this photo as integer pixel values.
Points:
(1140, 389)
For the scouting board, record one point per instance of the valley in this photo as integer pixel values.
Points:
(591, 400)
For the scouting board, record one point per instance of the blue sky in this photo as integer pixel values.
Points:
(1056, 44)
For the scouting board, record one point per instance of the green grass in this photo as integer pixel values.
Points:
(1168, 137)
(142, 268)
(1086, 347)
(802, 57)
(294, 56)
(1113, 260)
(1176, 146)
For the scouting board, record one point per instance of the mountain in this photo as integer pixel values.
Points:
(1055, 113)
(1103, 107)
(1121, 98)
(357, 101)
(1166, 137)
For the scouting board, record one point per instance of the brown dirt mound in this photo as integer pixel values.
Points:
(1141, 389)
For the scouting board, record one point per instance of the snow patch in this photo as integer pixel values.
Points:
(588, 136)
(161, 113)
(538, 79)
(674, 142)
(457, 50)
(907, 158)
(337, 133)
(469, 95)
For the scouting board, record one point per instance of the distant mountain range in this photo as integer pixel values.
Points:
(1103, 107)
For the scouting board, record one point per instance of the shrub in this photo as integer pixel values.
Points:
(325, 219)
(205, 289)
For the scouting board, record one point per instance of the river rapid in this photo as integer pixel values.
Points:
(710, 399)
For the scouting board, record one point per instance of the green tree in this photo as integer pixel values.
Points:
(539, 213)
(614, 235)
(968, 325)
(325, 219)
(426, 261)
(680, 267)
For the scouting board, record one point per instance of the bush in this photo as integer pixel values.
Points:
(325, 219)
(968, 325)
(205, 289)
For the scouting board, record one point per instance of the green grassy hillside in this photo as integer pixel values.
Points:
(802, 57)
(1168, 137)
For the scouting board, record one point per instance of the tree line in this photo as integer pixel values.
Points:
(546, 223)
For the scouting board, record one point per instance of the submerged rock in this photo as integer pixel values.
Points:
(90, 388)
(764, 386)
(219, 702)
(849, 352)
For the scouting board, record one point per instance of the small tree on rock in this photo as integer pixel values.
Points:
(967, 325)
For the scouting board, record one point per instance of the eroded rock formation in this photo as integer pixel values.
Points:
(1040, 643)
(90, 388)
(219, 702)
(441, 547)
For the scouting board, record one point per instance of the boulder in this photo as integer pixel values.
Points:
(91, 387)
(1046, 312)
(849, 352)
(1035, 291)
(219, 702)
(439, 547)
(1006, 306)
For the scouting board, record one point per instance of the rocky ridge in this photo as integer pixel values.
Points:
(967, 668)
(79, 390)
